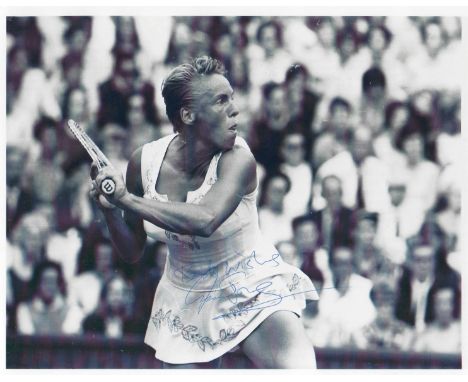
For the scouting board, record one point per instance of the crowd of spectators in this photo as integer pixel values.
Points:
(355, 126)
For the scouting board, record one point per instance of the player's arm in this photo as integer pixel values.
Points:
(236, 178)
(127, 232)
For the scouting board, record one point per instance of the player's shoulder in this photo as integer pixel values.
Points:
(240, 152)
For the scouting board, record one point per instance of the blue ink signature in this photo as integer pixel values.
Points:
(229, 288)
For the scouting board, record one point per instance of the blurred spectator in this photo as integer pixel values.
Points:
(86, 288)
(310, 257)
(140, 130)
(418, 284)
(268, 129)
(298, 171)
(114, 138)
(269, 61)
(116, 91)
(114, 316)
(126, 36)
(335, 222)
(369, 257)
(18, 198)
(334, 133)
(444, 334)
(275, 224)
(345, 299)
(25, 251)
(47, 313)
(373, 100)
(27, 36)
(148, 277)
(385, 332)
(422, 174)
(301, 101)
(364, 178)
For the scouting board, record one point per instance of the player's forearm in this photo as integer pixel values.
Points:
(183, 218)
(123, 238)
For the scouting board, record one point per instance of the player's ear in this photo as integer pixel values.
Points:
(187, 116)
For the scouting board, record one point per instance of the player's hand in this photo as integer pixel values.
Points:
(115, 176)
(100, 200)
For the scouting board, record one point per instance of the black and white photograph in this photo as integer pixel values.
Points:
(233, 189)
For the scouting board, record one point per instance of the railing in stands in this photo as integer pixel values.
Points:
(96, 352)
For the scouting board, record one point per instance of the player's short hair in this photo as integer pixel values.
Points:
(176, 88)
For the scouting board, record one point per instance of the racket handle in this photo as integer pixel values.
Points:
(108, 186)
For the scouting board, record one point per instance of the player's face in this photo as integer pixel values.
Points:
(215, 111)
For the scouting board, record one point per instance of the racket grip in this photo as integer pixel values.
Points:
(108, 186)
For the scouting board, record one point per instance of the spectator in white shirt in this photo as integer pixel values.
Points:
(274, 222)
(364, 177)
(299, 173)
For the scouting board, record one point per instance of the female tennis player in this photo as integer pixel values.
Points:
(224, 285)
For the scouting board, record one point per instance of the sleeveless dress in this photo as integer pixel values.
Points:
(215, 291)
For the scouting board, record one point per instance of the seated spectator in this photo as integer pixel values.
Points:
(268, 129)
(373, 99)
(18, 197)
(148, 277)
(345, 299)
(369, 258)
(298, 171)
(114, 143)
(422, 174)
(364, 178)
(444, 334)
(418, 284)
(86, 287)
(114, 316)
(335, 222)
(274, 222)
(48, 313)
(140, 130)
(311, 259)
(334, 132)
(385, 332)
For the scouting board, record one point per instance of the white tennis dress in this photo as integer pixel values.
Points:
(215, 291)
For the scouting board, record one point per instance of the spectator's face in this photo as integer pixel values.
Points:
(348, 47)
(366, 232)
(361, 144)
(433, 37)
(423, 262)
(385, 311)
(340, 117)
(342, 263)
(275, 193)
(288, 252)
(268, 39)
(399, 118)
(215, 111)
(126, 28)
(116, 294)
(72, 75)
(377, 41)
(326, 34)
(104, 259)
(49, 139)
(413, 148)
(443, 306)
(292, 149)
(451, 26)
(19, 62)
(136, 113)
(49, 286)
(14, 166)
(77, 41)
(306, 236)
(332, 191)
(397, 194)
(77, 105)
(276, 103)
(32, 242)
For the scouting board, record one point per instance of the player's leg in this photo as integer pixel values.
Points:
(280, 342)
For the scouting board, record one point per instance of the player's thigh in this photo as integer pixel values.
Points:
(280, 342)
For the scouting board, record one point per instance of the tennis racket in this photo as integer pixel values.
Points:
(98, 157)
